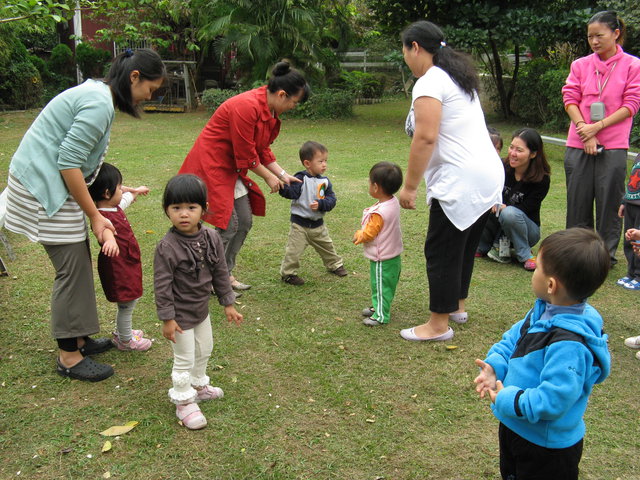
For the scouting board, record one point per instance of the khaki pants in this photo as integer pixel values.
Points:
(318, 238)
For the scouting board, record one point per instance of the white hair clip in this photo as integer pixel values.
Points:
(443, 44)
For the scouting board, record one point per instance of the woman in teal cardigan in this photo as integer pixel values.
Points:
(48, 199)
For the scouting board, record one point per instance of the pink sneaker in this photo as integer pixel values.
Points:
(530, 264)
(191, 416)
(137, 343)
(209, 393)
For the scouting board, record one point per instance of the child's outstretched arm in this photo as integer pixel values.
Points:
(232, 314)
(370, 230)
(486, 379)
(141, 190)
(110, 246)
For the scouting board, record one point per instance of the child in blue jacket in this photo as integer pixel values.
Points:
(540, 375)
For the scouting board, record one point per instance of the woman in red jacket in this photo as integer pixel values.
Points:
(237, 139)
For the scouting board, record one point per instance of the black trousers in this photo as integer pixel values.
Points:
(523, 460)
(450, 255)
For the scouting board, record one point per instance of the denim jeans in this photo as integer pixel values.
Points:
(514, 223)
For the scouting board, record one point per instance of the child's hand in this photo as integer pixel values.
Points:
(232, 314)
(486, 380)
(141, 190)
(621, 211)
(632, 234)
(169, 330)
(357, 237)
(110, 248)
(493, 393)
(314, 205)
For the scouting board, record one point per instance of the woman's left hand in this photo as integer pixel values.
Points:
(407, 198)
(587, 131)
(286, 178)
(99, 224)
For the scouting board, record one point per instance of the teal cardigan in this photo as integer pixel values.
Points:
(72, 131)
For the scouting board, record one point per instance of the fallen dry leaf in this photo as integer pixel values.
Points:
(119, 429)
(106, 475)
(106, 447)
(451, 347)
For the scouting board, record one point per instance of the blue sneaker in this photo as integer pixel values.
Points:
(623, 280)
(632, 285)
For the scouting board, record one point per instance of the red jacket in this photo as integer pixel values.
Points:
(236, 138)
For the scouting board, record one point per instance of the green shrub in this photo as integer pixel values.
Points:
(91, 60)
(61, 61)
(554, 115)
(362, 84)
(529, 104)
(20, 81)
(635, 132)
(212, 98)
(329, 103)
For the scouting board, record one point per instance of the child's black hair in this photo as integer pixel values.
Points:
(578, 259)
(496, 138)
(185, 188)
(387, 175)
(108, 179)
(309, 149)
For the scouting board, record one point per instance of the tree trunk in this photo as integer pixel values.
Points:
(505, 106)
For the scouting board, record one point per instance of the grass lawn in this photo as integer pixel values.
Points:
(310, 393)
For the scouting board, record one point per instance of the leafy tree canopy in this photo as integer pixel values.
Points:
(52, 10)
(491, 28)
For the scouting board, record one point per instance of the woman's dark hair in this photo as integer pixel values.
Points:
(611, 20)
(457, 64)
(145, 61)
(578, 259)
(108, 179)
(185, 188)
(387, 175)
(538, 166)
(284, 77)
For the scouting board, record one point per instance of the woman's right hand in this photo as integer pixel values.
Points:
(591, 146)
(274, 183)
(407, 198)
(99, 224)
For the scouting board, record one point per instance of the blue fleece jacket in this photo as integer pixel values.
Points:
(548, 369)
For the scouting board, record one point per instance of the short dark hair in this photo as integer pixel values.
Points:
(495, 137)
(185, 188)
(309, 149)
(578, 259)
(145, 61)
(291, 81)
(538, 166)
(107, 180)
(387, 175)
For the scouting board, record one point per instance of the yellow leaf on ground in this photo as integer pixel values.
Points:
(106, 475)
(451, 347)
(106, 447)
(149, 231)
(119, 429)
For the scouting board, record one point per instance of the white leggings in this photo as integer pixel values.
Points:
(191, 354)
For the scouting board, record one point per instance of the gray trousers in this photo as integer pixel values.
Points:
(239, 225)
(73, 298)
(598, 178)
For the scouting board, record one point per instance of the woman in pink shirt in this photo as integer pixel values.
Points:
(601, 96)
